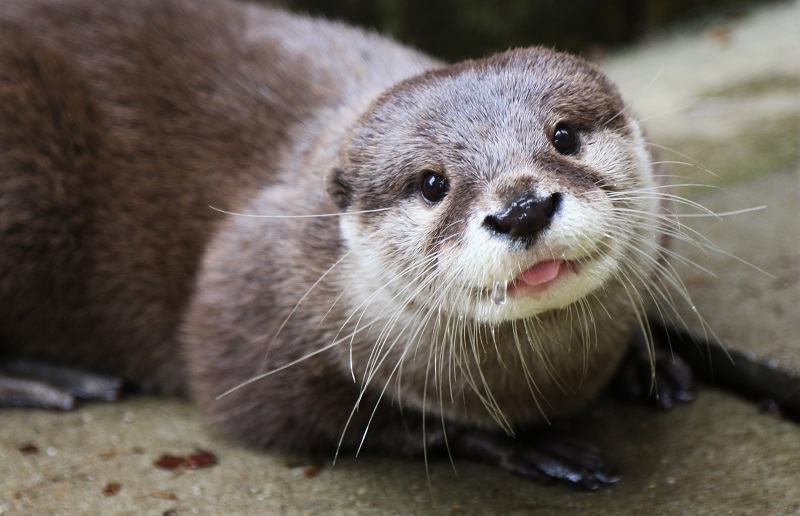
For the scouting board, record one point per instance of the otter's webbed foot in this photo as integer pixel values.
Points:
(544, 457)
(654, 374)
(30, 383)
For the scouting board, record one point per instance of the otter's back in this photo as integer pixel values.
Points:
(120, 124)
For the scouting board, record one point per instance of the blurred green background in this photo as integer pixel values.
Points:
(455, 29)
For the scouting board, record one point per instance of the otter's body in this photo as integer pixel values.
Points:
(122, 124)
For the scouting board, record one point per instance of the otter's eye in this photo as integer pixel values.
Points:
(433, 186)
(565, 139)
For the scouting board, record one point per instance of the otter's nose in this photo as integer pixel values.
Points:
(525, 217)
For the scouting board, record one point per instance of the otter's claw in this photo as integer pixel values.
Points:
(28, 383)
(545, 459)
(654, 374)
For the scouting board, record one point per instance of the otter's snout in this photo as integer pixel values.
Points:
(525, 217)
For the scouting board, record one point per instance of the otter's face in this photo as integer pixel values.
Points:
(498, 189)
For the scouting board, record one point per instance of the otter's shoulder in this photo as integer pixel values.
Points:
(354, 57)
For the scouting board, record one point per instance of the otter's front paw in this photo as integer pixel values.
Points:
(29, 383)
(544, 457)
(654, 373)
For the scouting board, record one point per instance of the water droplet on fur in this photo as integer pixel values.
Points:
(499, 291)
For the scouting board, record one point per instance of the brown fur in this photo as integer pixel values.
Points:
(122, 122)
(111, 151)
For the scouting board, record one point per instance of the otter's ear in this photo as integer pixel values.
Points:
(338, 188)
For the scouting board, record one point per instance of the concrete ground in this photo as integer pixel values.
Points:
(726, 94)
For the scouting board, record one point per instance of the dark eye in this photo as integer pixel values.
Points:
(565, 139)
(433, 186)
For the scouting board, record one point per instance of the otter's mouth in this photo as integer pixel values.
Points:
(540, 276)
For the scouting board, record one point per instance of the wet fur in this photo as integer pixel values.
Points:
(115, 141)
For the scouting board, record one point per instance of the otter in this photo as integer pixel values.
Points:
(328, 240)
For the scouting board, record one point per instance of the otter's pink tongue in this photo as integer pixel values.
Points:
(540, 273)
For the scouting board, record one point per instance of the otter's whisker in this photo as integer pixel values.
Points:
(304, 216)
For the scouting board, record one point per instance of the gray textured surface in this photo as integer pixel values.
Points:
(759, 311)
(715, 456)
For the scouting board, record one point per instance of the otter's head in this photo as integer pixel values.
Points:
(521, 170)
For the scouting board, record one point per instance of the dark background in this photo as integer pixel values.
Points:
(455, 29)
